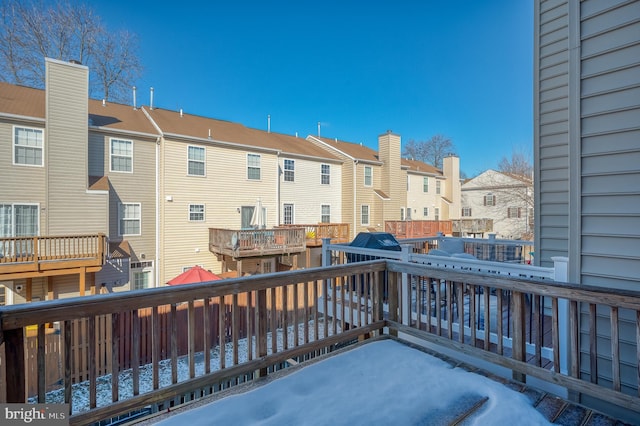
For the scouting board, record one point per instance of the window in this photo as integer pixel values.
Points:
(288, 214)
(130, 218)
(325, 174)
(425, 211)
(196, 165)
(437, 213)
(27, 146)
(121, 155)
(141, 274)
(364, 214)
(326, 214)
(401, 213)
(19, 220)
(438, 186)
(253, 166)
(466, 212)
(368, 176)
(425, 184)
(289, 171)
(489, 200)
(196, 212)
(514, 212)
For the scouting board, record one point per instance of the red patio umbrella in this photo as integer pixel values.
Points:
(194, 275)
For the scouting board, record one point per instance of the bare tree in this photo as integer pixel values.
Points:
(518, 165)
(33, 30)
(431, 151)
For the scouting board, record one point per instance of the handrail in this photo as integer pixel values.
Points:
(457, 309)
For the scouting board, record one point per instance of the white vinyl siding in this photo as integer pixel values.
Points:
(325, 174)
(253, 167)
(130, 219)
(196, 212)
(289, 170)
(28, 146)
(196, 161)
(121, 155)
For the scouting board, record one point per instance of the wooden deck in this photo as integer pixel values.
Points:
(319, 328)
(239, 244)
(24, 257)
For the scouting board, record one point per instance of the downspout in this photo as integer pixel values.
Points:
(355, 204)
(156, 274)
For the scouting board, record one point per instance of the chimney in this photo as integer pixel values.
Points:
(392, 178)
(318, 129)
(269, 123)
(151, 100)
(134, 98)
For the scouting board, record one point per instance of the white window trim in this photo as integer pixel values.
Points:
(120, 219)
(425, 184)
(322, 174)
(321, 206)
(204, 162)
(293, 213)
(368, 222)
(13, 222)
(248, 166)
(110, 155)
(13, 146)
(425, 209)
(364, 176)
(204, 212)
(291, 171)
(148, 267)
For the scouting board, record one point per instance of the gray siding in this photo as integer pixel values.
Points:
(587, 147)
(552, 129)
(71, 209)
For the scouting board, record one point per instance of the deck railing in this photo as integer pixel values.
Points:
(417, 228)
(583, 339)
(315, 233)
(25, 254)
(256, 242)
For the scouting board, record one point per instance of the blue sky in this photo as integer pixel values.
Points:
(459, 68)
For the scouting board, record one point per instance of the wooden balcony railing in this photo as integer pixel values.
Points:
(256, 242)
(582, 338)
(473, 226)
(35, 254)
(338, 232)
(417, 228)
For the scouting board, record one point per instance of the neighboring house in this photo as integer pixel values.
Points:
(213, 172)
(381, 186)
(587, 153)
(432, 194)
(58, 185)
(504, 199)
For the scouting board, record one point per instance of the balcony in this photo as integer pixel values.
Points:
(24, 257)
(473, 226)
(417, 228)
(314, 234)
(256, 242)
(265, 323)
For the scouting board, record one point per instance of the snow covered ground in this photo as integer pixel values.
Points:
(379, 383)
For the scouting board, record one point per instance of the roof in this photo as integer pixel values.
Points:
(173, 123)
(193, 275)
(354, 150)
(119, 249)
(419, 166)
(30, 102)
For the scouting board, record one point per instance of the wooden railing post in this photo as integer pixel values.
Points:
(405, 303)
(519, 330)
(15, 367)
(393, 290)
(261, 303)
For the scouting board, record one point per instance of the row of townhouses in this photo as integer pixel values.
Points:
(144, 186)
